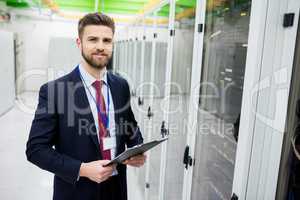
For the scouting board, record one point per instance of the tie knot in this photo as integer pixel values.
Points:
(97, 84)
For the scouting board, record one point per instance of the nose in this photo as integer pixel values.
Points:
(100, 46)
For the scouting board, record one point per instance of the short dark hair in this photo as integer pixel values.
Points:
(95, 19)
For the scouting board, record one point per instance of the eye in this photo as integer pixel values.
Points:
(92, 39)
(107, 40)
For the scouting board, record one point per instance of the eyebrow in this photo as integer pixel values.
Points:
(95, 37)
(90, 37)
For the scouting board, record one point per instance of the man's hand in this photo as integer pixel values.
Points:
(136, 161)
(95, 170)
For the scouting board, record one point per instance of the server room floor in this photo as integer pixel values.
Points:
(22, 179)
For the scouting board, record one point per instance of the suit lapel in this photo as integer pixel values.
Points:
(115, 92)
(81, 101)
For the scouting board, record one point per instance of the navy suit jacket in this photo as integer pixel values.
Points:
(63, 135)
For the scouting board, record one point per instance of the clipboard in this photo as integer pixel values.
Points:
(136, 150)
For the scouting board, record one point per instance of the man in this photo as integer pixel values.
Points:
(87, 118)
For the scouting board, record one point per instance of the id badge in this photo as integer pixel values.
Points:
(109, 143)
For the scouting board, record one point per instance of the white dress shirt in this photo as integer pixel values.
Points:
(88, 80)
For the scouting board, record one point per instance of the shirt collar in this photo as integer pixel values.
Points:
(89, 79)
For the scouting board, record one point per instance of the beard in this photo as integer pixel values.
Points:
(95, 63)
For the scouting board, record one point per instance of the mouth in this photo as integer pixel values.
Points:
(98, 55)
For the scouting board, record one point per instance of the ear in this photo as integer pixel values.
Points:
(78, 42)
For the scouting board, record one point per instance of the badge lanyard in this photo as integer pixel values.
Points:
(103, 117)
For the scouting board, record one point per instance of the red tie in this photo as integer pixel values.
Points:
(101, 114)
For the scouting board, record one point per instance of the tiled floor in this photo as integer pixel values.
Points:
(19, 179)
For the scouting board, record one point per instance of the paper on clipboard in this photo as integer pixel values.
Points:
(136, 150)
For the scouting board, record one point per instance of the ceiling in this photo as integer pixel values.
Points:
(184, 8)
(129, 7)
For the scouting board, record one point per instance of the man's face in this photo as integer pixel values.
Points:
(96, 44)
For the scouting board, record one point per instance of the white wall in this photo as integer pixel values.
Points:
(63, 55)
(34, 33)
(7, 71)
(33, 38)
